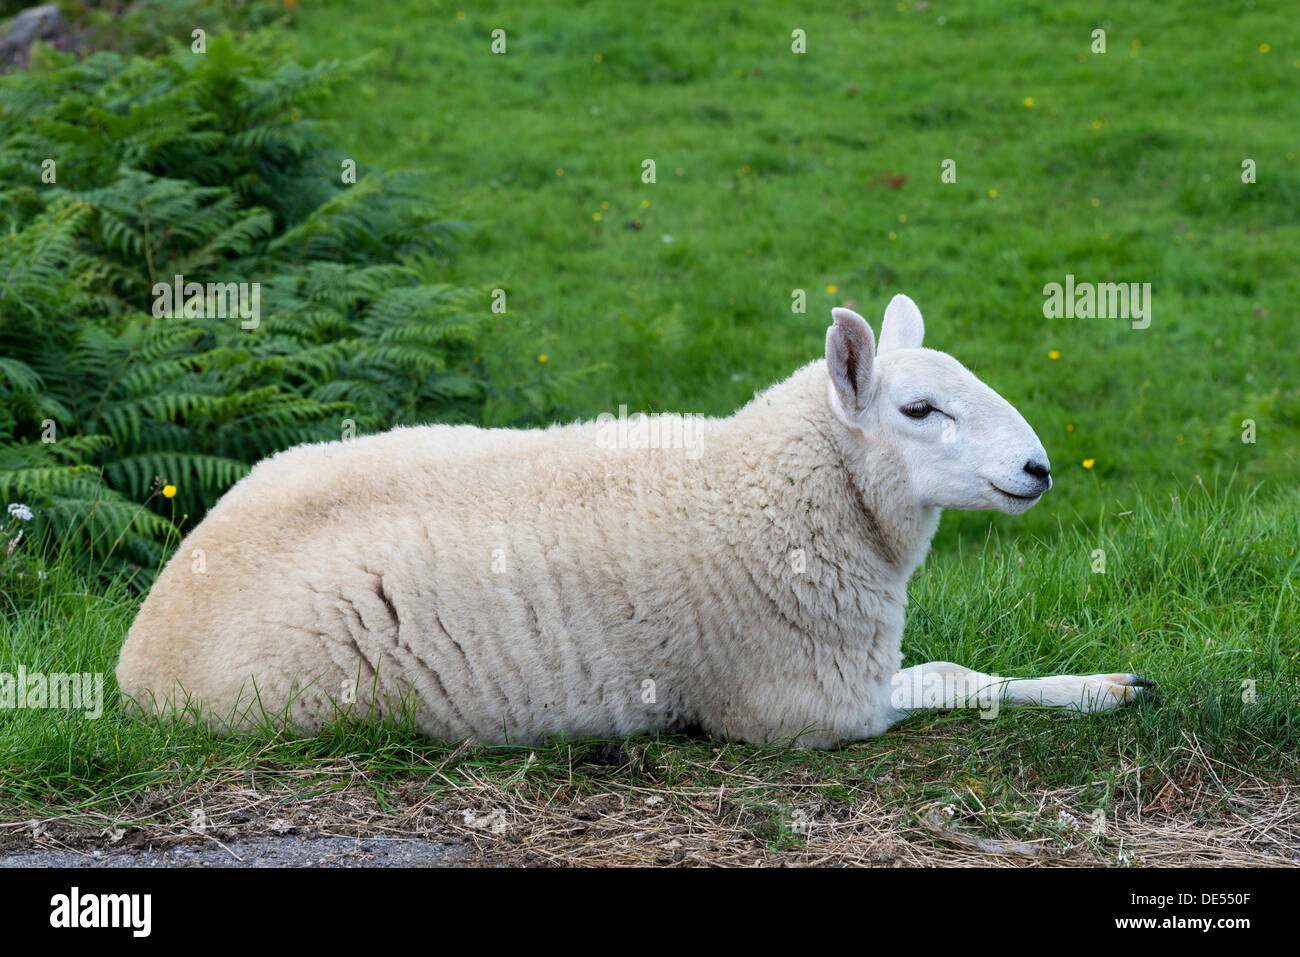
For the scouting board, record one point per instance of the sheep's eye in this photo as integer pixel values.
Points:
(917, 410)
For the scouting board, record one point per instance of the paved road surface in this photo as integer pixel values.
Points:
(282, 851)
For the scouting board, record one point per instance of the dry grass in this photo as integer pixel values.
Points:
(759, 814)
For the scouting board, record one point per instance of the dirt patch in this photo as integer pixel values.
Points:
(684, 805)
(485, 824)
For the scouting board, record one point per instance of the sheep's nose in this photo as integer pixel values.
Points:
(1040, 471)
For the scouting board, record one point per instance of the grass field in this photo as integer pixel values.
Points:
(773, 174)
(821, 172)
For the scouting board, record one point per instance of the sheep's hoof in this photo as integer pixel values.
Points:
(1135, 688)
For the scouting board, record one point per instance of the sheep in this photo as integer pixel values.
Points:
(514, 586)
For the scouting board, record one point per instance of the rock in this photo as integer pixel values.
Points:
(44, 23)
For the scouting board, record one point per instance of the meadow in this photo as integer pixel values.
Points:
(785, 184)
(822, 172)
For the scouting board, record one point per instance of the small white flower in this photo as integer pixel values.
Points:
(18, 510)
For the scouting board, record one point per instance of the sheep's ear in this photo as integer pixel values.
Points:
(850, 352)
(903, 327)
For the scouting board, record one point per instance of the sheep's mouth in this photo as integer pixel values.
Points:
(1019, 498)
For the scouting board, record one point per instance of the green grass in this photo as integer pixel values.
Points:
(1126, 168)
(769, 166)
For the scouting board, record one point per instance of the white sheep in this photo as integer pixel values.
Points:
(505, 585)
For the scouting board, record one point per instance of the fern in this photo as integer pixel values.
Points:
(207, 167)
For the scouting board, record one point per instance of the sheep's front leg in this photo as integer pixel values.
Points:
(944, 685)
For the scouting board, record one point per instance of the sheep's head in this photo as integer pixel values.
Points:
(962, 444)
